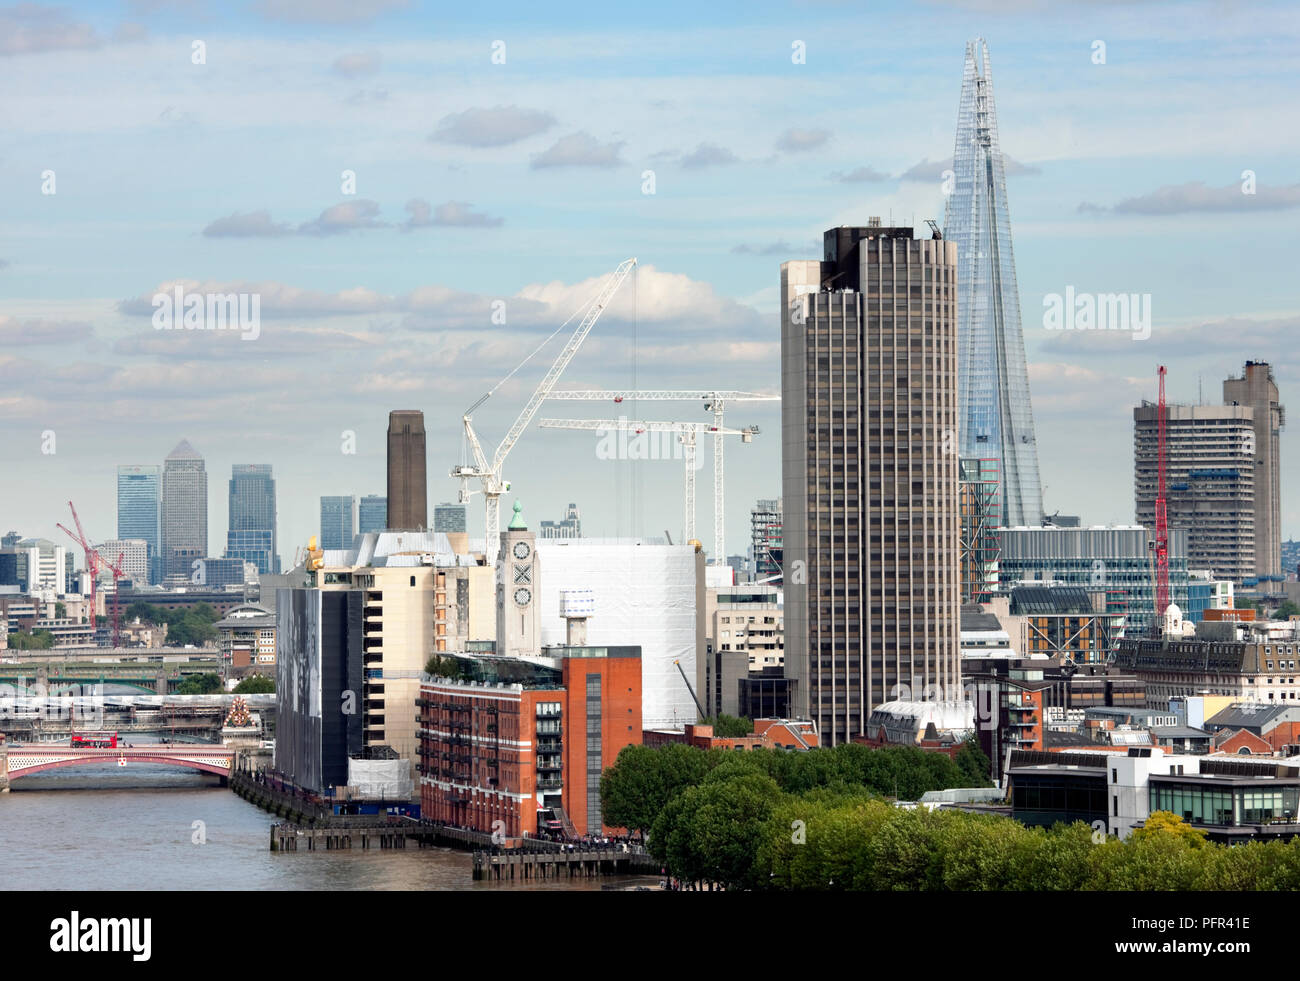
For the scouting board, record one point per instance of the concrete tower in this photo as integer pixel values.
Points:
(408, 501)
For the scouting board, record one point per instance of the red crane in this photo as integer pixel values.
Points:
(95, 563)
(1162, 519)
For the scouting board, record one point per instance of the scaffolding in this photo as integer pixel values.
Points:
(981, 516)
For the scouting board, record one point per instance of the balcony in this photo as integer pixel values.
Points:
(550, 783)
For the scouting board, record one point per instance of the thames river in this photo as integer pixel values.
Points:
(100, 828)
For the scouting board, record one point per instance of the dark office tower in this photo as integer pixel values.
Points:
(251, 536)
(372, 514)
(184, 512)
(338, 521)
(1257, 389)
(449, 517)
(138, 503)
(869, 467)
(408, 504)
(996, 420)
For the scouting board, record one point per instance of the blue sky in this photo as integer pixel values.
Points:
(521, 181)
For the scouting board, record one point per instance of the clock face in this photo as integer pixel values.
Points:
(523, 575)
(522, 551)
(523, 595)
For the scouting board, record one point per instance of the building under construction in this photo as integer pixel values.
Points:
(981, 514)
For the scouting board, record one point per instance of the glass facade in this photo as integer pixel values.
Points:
(372, 514)
(183, 514)
(336, 522)
(995, 417)
(138, 503)
(252, 516)
(1229, 805)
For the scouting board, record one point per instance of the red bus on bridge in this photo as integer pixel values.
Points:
(94, 740)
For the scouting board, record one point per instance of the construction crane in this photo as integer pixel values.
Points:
(116, 569)
(1162, 518)
(489, 472)
(95, 563)
(714, 402)
(687, 434)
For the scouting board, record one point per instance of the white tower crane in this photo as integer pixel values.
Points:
(687, 434)
(490, 472)
(713, 402)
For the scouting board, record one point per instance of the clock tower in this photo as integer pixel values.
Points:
(519, 629)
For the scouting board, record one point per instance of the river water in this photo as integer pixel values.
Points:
(102, 828)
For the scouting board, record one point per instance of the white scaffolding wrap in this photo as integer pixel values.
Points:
(644, 595)
(386, 779)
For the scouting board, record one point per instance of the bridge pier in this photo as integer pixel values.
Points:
(4, 766)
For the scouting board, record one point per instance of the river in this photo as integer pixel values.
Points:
(101, 828)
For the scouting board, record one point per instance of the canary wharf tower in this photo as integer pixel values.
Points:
(995, 420)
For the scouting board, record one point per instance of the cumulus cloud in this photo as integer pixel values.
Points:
(579, 150)
(31, 332)
(708, 155)
(859, 175)
(797, 140)
(356, 64)
(452, 213)
(499, 126)
(346, 216)
(28, 28)
(327, 11)
(1195, 196)
(253, 224)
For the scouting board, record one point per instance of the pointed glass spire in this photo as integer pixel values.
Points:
(994, 413)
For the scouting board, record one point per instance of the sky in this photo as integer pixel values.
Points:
(419, 197)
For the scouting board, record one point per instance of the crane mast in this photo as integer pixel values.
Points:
(489, 472)
(1162, 518)
(687, 434)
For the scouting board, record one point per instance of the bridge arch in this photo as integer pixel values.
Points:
(20, 767)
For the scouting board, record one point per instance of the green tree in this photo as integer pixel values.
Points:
(1166, 823)
(1286, 610)
(637, 788)
(35, 640)
(60, 610)
(199, 684)
(974, 764)
(730, 727)
(144, 612)
(712, 832)
(255, 685)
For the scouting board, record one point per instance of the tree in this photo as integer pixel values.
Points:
(642, 781)
(60, 610)
(730, 727)
(712, 832)
(1287, 610)
(199, 684)
(974, 764)
(35, 640)
(443, 667)
(1166, 823)
(144, 612)
(256, 685)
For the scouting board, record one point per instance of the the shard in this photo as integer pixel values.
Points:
(994, 415)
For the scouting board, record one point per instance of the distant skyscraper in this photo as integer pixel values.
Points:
(251, 536)
(408, 503)
(183, 515)
(449, 517)
(995, 417)
(1257, 389)
(372, 514)
(870, 515)
(570, 526)
(138, 504)
(765, 539)
(338, 521)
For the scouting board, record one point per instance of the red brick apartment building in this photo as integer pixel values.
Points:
(523, 741)
(767, 734)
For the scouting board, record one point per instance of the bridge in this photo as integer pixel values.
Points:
(23, 761)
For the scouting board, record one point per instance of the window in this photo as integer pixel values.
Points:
(1114, 775)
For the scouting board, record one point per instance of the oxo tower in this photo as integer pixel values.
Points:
(994, 415)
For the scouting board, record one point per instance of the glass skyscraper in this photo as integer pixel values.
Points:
(251, 536)
(183, 514)
(337, 521)
(372, 514)
(138, 502)
(995, 418)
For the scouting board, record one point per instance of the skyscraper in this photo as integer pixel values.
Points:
(995, 417)
(449, 517)
(183, 516)
(765, 539)
(1257, 389)
(251, 535)
(408, 504)
(338, 521)
(138, 502)
(372, 514)
(870, 522)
